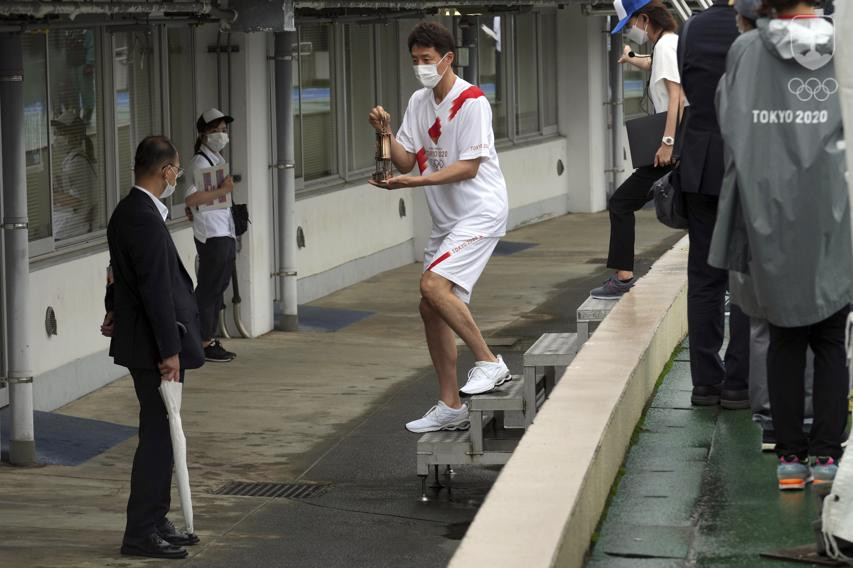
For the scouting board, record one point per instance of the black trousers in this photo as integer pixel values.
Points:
(706, 291)
(786, 365)
(151, 479)
(216, 264)
(625, 201)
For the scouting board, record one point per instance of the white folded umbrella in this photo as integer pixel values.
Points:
(171, 391)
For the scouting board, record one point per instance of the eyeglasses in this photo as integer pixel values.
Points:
(180, 171)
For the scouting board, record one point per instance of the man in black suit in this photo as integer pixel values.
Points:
(702, 54)
(153, 321)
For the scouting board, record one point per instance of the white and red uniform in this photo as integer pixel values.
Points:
(468, 217)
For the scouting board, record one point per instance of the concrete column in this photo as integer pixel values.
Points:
(582, 112)
(286, 271)
(22, 449)
(470, 26)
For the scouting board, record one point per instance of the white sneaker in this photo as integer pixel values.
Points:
(485, 376)
(441, 417)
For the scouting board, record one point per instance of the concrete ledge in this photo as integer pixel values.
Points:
(548, 499)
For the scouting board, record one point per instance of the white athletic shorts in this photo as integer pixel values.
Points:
(459, 258)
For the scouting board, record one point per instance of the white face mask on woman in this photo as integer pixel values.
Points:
(428, 74)
(216, 141)
(637, 35)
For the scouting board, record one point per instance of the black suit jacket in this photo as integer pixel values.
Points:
(708, 39)
(155, 312)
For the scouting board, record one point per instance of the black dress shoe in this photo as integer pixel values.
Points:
(152, 546)
(172, 535)
(704, 395)
(734, 399)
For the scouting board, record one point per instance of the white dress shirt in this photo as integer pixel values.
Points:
(161, 207)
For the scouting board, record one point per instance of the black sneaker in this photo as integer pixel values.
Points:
(734, 399)
(705, 395)
(216, 354)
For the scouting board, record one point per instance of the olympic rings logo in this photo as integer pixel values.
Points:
(813, 88)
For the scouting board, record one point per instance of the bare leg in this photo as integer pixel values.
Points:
(624, 275)
(442, 350)
(438, 291)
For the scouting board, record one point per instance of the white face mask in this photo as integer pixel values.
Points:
(170, 188)
(637, 35)
(216, 141)
(428, 74)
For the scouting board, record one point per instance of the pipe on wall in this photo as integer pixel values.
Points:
(617, 109)
(22, 448)
(286, 182)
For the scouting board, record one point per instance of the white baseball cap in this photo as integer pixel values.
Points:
(212, 115)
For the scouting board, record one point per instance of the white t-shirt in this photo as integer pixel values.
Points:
(459, 128)
(216, 223)
(664, 66)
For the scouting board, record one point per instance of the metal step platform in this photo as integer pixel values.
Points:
(592, 311)
(544, 364)
(486, 442)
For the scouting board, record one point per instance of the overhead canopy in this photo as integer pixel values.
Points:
(267, 15)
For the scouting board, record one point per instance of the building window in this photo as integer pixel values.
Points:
(388, 58)
(182, 115)
(316, 97)
(361, 94)
(135, 92)
(548, 58)
(36, 136)
(492, 67)
(526, 75)
(76, 145)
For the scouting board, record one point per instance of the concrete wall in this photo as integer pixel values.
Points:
(75, 362)
(547, 501)
(582, 89)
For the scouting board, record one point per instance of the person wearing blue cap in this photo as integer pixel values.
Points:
(643, 21)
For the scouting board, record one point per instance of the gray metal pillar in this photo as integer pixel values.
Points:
(22, 449)
(617, 111)
(286, 181)
(470, 26)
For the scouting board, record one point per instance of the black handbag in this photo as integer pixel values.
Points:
(669, 202)
(240, 214)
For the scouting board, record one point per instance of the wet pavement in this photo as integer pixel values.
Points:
(697, 491)
(323, 406)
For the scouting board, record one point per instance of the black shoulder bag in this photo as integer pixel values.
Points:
(669, 202)
(239, 211)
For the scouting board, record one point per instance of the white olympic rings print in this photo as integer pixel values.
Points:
(813, 88)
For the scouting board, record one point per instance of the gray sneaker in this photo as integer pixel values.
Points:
(612, 289)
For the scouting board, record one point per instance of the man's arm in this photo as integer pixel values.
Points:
(150, 249)
(455, 172)
(109, 304)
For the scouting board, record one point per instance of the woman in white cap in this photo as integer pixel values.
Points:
(215, 238)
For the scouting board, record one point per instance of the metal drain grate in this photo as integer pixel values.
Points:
(274, 490)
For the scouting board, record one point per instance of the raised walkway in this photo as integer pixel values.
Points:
(319, 406)
(697, 491)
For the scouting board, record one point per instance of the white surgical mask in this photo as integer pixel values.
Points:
(170, 189)
(637, 35)
(216, 141)
(428, 74)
